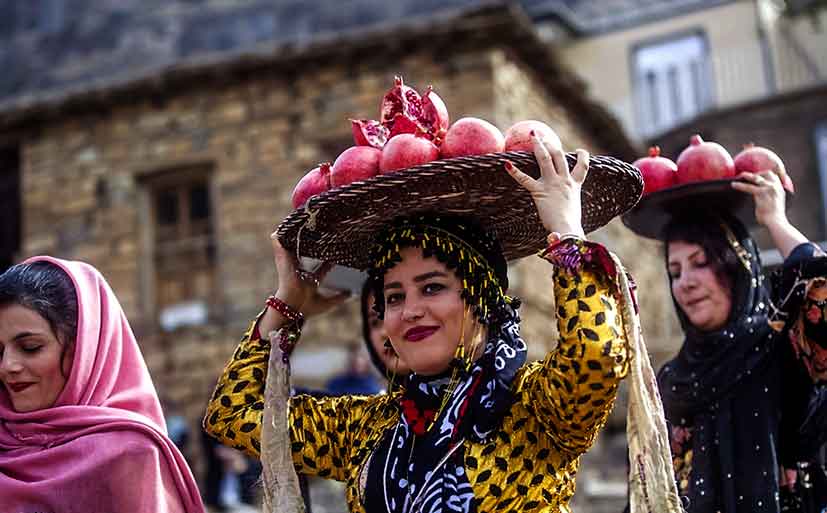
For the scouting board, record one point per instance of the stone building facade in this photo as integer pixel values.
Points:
(171, 183)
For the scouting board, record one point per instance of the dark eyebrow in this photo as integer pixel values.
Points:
(417, 279)
(691, 256)
(24, 334)
(428, 276)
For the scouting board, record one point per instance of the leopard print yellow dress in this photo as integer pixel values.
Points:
(529, 465)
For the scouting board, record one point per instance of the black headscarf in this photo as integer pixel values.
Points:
(726, 385)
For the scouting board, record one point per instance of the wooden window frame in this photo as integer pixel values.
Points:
(181, 177)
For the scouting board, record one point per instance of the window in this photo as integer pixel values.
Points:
(821, 160)
(672, 82)
(10, 206)
(183, 247)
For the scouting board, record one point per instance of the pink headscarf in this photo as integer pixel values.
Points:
(102, 447)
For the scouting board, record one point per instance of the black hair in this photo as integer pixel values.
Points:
(367, 293)
(709, 233)
(713, 234)
(46, 289)
(473, 254)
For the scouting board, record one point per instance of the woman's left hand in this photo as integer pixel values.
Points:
(768, 193)
(557, 192)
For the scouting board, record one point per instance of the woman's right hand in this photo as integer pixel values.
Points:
(291, 288)
(298, 289)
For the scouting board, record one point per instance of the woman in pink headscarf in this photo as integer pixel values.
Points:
(81, 428)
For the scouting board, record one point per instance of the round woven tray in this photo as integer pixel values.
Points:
(338, 226)
(654, 211)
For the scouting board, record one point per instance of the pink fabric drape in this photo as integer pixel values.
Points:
(103, 446)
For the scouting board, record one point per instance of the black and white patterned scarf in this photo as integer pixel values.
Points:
(424, 473)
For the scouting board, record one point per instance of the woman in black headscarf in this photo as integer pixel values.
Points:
(735, 395)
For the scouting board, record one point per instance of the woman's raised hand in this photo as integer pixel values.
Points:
(298, 289)
(556, 193)
(768, 193)
(770, 202)
(293, 288)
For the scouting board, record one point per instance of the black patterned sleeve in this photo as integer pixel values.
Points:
(321, 429)
(236, 408)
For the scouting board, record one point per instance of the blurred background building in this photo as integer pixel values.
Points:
(160, 141)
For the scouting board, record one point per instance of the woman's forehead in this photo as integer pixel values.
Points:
(414, 264)
(16, 319)
(679, 250)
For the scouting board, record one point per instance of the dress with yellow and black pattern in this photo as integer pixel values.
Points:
(529, 464)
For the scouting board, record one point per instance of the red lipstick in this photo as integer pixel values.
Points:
(420, 333)
(19, 387)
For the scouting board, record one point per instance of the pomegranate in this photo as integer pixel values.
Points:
(658, 172)
(316, 181)
(434, 117)
(702, 161)
(368, 132)
(404, 111)
(472, 136)
(355, 163)
(754, 159)
(518, 137)
(407, 150)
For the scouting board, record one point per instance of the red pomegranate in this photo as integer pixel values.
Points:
(316, 181)
(754, 159)
(355, 163)
(702, 161)
(404, 111)
(658, 172)
(472, 136)
(407, 150)
(518, 137)
(368, 132)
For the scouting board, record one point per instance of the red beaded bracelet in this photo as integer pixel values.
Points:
(287, 311)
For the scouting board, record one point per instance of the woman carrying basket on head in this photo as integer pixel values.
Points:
(473, 427)
(745, 414)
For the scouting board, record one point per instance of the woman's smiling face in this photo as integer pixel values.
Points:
(33, 364)
(425, 315)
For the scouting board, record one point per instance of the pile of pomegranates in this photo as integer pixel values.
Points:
(702, 161)
(413, 129)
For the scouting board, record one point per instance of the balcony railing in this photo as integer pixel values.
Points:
(781, 64)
